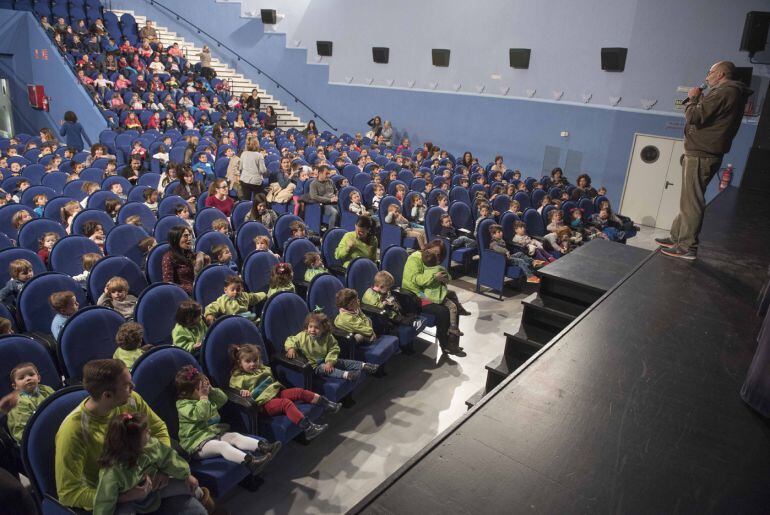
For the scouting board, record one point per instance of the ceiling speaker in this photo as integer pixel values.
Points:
(614, 59)
(380, 54)
(324, 48)
(269, 16)
(440, 57)
(519, 57)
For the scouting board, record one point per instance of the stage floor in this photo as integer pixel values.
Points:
(635, 408)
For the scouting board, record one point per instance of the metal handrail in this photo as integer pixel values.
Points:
(278, 85)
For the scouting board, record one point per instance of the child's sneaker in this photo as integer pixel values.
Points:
(255, 464)
(369, 368)
(269, 448)
(352, 375)
(533, 279)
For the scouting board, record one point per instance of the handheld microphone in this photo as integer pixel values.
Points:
(701, 87)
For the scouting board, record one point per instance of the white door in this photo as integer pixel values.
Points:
(6, 113)
(651, 192)
(669, 201)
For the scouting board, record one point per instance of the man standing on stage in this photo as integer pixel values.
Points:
(711, 121)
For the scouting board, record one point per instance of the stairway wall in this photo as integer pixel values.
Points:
(21, 37)
(525, 131)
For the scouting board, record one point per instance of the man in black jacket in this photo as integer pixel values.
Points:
(711, 122)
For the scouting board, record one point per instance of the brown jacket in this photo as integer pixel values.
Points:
(712, 120)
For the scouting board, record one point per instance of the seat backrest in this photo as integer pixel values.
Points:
(587, 205)
(534, 222)
(123, 240)
(321, 294)
(154, 373)
(154, 265)
(244, 238)
(88, 215)
(15, 349)
(38, 445)
(55, 181)
(210, 283)
(14, 253)
(240, 210)
(501, 203)
(93, 175)
(115, 266)
(522, 197)
(506, 221)
(28, 197)
(31, 232)
(360, 275)
(52, 210)
(168, 204)
(224, 332)
(96, 325)
(165, 224)
(35, 311)
(384, 204)
(156, 311)
(537, 198)
(295, 256)
(119, 179)
(67, 253)
(205, 217)
(256, 270)
(482, 235)
(461, 215)
(6, 215)
(393, 260)
(207, 241)
(283, 316)
(281, 231)
(329, 245)
(74, 189)
(98, 198)
(433, 222)
(146, 215)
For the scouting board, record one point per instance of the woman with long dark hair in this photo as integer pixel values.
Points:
(219, 198)
(178, 264)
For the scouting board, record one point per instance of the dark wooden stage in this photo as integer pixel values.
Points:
(633, 408)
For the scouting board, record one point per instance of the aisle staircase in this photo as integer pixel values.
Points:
(239, 83)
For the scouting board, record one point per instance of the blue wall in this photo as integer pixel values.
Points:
(524, 131)
(20, 36)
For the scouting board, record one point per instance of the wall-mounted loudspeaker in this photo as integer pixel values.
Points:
(269, 16)
(380, 54)
(440, 56)
(754, 36)
(614, 59)
(519, 57)
(324, 48)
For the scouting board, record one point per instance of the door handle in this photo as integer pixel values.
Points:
(668, 184)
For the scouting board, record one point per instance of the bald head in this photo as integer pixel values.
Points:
(726, 67)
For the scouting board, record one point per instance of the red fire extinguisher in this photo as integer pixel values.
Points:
(727, 178)
(45, 104)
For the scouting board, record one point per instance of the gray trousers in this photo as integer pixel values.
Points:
(696, 175)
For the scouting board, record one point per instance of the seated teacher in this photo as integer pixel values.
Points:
(359, 243)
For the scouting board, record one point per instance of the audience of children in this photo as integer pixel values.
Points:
(129, 340)
(281, 279)
(497, 244)
(313, 266)
(190, 328)
(21, 272)
(117, 297)
(235, 301)
(64, 304)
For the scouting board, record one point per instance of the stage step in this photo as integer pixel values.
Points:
(567, 290)
(475, 398)
(500, 368)
(527, 340)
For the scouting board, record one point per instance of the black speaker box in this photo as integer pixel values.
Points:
(269, 16)
(614, 59)
(324, 48)
(380, 54)
(519, 57)
(744, 74)
(440, 56)
(754, 36)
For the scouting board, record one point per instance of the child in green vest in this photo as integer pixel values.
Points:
(318, 345)
(351, 319)
(235, 301)
(129, 341)
(133, 458)
(281, 277)
(202, 434)
(254, 379)
(314, 266)
(27, 395)
(190, 328)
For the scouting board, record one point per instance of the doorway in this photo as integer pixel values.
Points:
(653, 182)
(6, 112)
